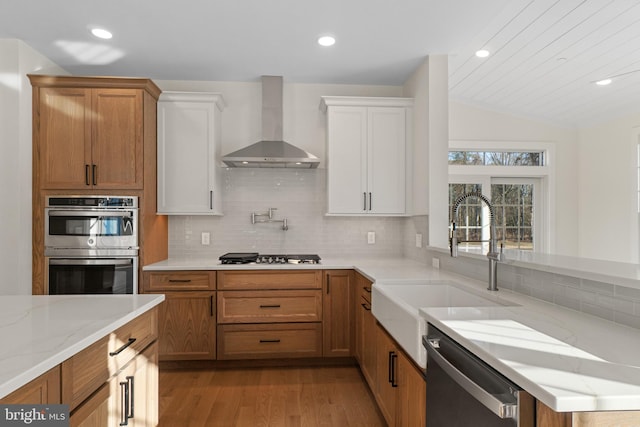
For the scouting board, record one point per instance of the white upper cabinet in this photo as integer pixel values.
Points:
(368, 155)
(189, 174)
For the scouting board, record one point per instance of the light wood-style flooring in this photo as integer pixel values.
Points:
(318, 396)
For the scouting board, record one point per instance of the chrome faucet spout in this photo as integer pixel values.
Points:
(494, 255)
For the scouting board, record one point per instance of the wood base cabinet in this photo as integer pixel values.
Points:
(546, 417)
(130, 398)
(400, 386)
(269, 314)
(187, 318)
(41, 391)
(365, 347)
(338, 318)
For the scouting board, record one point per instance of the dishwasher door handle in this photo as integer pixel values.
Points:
(498, 407)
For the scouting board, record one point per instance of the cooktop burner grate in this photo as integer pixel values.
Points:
(254, 257)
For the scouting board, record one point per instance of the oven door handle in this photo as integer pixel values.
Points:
(84, 261)
(498, 407)
(92, 213)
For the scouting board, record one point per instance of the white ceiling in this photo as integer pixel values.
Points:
(546, 54)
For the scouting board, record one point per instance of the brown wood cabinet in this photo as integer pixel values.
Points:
(187, 318)
(111, 406)
(412, 394)
(338, 315)
(365, 339)
(41, 391)
(386, 375)
(90, 135)
(546, 417)
(90, 138)
(93, 391)
(267, 314)
(400, 389)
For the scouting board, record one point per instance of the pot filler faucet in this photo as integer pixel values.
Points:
(493, 254)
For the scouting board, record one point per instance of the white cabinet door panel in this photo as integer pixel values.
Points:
(188, 154)
(347, 160)
(387, 160)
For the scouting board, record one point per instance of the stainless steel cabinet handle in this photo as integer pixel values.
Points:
(123, 348)
(498, 407)
(124, 403)
(76, 261)
(130, 413)
(93, 213)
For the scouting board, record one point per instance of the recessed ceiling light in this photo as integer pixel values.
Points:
(101, 33)
(482, 53)
(326, 41)
(603, 82)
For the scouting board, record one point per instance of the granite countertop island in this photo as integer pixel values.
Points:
(569, 360)
(39, 332)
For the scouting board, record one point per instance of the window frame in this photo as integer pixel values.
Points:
(544, 235)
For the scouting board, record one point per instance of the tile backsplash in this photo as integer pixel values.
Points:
(299, 195)
(616, 303)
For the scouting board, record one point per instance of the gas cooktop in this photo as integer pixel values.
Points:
(256, 258)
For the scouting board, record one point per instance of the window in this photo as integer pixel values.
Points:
(516, 183)
(496, 158)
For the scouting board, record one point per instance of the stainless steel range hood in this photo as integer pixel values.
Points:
(272, 151)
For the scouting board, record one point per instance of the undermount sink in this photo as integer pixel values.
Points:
(396, 305)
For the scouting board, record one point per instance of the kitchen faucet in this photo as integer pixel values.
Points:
(269, 214)
(493, 254)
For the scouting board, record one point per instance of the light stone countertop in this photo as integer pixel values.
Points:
(38, 332)
(569, 360)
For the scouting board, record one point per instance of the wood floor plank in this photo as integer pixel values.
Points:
(327, 396)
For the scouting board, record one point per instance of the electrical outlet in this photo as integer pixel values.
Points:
(418, 240)
(371, 237)
(205, 238)
(435, 262)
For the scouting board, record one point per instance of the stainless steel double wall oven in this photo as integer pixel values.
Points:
(91, 245)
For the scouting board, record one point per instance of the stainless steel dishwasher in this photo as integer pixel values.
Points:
(463, 391)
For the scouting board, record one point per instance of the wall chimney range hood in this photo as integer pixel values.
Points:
(272, 151)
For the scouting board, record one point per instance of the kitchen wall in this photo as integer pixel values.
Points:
(608, 185)
(18, 60)
(299, 195)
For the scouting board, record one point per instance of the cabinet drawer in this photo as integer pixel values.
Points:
(269, 306)
(88, 370)
(269, 341)
(179, 281)
(85, 372)
(269, 279)
(131, 339)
